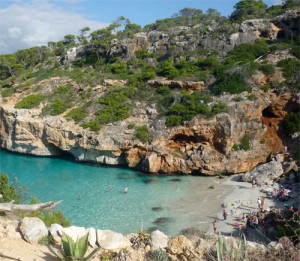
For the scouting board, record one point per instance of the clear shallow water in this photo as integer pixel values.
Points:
(103, 203)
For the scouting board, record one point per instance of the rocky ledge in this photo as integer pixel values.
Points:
(207, 146)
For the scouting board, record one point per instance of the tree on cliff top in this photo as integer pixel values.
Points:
(248, 9)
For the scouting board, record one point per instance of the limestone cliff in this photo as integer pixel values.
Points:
(205, 145)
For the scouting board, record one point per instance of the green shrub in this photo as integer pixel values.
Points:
(173, 120)
(46, 240)
(219, 107)
(232, 84)
(245, 143)
(168, 69)
(267, 68)
(289, 67)
(56, 107)
(291, 123)
(116, 104)
(159, 255)
(266, 87)
(30, 101)
(188, 106)
(7, 92)
(63, 89)
(77, 114)
(235, 147)
(131, 126)
(142, 133)
(296, 51)
(252, 97)
(143, 53)
(8, 192)
(92, 125)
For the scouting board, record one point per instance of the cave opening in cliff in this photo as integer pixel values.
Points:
(182, 138)
(268, 113)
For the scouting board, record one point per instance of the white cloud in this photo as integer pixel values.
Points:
(24, 25)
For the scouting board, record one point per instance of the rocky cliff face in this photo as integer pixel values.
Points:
(205, 145)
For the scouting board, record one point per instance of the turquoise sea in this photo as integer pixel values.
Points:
(93, 196)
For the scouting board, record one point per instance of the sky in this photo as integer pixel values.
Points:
(27, 23)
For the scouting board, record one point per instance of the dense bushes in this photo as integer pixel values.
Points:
(188, 106)
(116, 105)
(230, 83)
(29, 102)
(291, 123)
(77, 114)
(56, 107)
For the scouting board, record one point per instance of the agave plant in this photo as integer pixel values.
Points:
(159, 255)
(73, 251)
(232, 253)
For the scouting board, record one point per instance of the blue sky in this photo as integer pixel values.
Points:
(26, 23)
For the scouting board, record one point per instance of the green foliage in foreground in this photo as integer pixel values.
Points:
(291, 123)
(75, 250)
(52, 217)
(159, 255)
(231, 252)
(31, 101)
(8, 192)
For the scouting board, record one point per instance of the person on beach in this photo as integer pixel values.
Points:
(253, 183)
(262, 206)
(215, 226)
(225, 214)
(258, 203)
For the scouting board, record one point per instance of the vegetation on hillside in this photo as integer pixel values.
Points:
(77, 100)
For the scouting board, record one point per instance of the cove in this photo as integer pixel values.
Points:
(93, 196)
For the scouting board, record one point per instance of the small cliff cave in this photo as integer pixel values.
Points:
(179, 140)
(269, 113)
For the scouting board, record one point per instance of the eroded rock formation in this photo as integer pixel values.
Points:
(205, 145)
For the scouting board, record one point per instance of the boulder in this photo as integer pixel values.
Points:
(75, 232)
(12, 229)
(56, 232)
(255, 246)
(178, 245)
(265, 173)
(92, 236)
(158, 240)
(275, 245)
(110, 240)
(33, 229)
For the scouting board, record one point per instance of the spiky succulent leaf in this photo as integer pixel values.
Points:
(91, 255)
(81, 247)
(68, 245)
